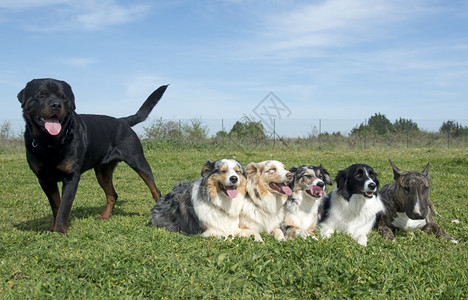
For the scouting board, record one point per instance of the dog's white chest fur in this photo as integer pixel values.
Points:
(305, 214)
(355, 217)
(264, 215)
(403, 222)
(221, 215)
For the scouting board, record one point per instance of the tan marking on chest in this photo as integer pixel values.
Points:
(66, 166)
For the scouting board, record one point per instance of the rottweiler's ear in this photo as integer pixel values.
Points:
(21, 97)
(396, 171)
(207, 168)
(70, 94)
(426, 170)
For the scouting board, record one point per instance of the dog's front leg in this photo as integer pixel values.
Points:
(278, 234)
(68, 195)
(247, 232)
(53, 195)
(326, 231)
(361, 239)
(384, 229)
(434, 228)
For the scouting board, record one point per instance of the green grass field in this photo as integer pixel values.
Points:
(124, 257)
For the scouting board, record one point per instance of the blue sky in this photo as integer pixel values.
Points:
(338, 61)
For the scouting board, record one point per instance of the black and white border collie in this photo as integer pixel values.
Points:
(352, 207)
(267, 191)
(209, 206)
(308, 191)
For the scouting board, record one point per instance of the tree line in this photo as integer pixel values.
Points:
(379, 124)
(248, 128)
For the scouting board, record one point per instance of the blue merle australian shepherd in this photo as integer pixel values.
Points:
(209, 206)
(302, 207)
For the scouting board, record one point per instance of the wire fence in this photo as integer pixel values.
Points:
(279, 134)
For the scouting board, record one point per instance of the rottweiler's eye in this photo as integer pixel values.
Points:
(61, 95)
(42, 94)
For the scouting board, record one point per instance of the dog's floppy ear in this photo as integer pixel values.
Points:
(294, 169)
(341, 181)
(426, 170)
(396, 171)
(21, 97)
(326, 176)
(241, 167)
(207, 168)
(70, 94)
(252, 168)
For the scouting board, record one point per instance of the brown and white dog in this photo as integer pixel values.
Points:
(267, 191)
(209, 206)
(407, 205)
(302, 207)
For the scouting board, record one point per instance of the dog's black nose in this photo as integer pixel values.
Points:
(233, 179)
(320, 184)
(372, 185)
(56, 105)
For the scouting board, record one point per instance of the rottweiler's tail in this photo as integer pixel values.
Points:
(147, 107)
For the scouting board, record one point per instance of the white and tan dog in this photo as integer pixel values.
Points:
(267, 190)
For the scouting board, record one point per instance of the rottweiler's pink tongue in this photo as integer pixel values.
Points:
(231, 191)
(316, 190)
(286, 190)
(53, 127)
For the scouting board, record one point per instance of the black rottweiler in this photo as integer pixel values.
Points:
(61, 145)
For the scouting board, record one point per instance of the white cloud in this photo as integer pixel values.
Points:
(98, 14)
(79, 61)
(62, 15)
(27, 4)
(309, 29)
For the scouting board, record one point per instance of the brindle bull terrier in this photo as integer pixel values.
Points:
(407, 205)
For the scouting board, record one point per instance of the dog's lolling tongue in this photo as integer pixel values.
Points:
(286, 190)
(231, 192)
(315, 190)
(53, 127)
